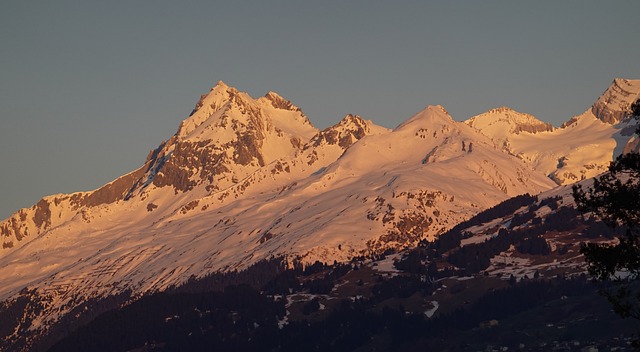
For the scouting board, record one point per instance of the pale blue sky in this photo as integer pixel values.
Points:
(87, 88)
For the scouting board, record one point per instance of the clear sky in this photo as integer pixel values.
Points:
(87, 88)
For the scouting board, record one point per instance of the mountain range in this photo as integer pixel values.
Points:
(245, 180)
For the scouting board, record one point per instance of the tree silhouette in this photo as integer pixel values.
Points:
(615, 198)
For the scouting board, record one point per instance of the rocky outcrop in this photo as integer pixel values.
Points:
(40, 217)
(633, 146)
(281, 103)
(350, 129)
(613, 105)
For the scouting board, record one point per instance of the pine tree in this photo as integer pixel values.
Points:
(615, 199)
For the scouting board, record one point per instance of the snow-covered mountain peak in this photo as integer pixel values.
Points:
(500, 123)
(228, 137)
(217, 99)
(220, 84)
(355, 122)
(613, 104)
(346, 132)
(430, 117)
(226, 108)
(350, 123)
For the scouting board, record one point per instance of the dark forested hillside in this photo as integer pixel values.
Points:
(533, 313)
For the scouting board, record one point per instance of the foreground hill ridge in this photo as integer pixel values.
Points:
(244, 180)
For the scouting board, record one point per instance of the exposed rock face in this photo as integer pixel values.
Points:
(318, 152)
(39, 217)
(114, 191)
(614, 103)
(544, 127)
(194, 163)
(223, 140)
(279, 102)
(345, 133)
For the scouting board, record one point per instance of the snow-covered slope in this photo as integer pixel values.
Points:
(575, 152)
(581, 148)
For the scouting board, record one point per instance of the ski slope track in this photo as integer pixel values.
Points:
(247, 179)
